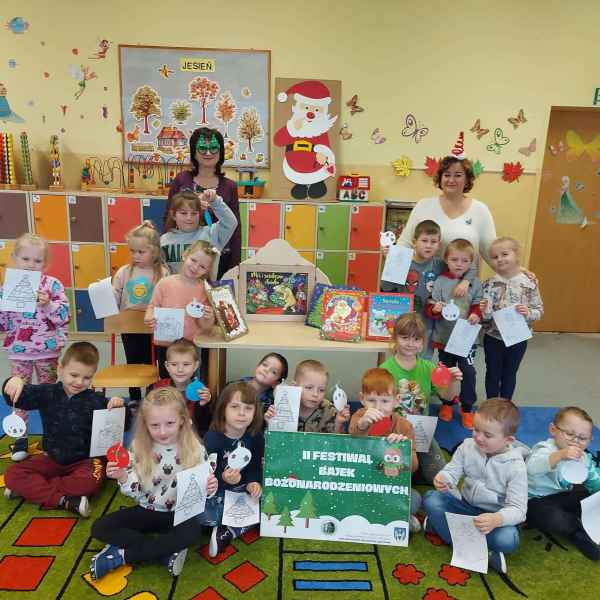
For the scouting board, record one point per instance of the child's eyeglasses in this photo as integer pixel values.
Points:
(571, 435)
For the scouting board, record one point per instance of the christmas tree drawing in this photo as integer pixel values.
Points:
(420, 434)
(240, 510)
(22, 293)
(268, 505)
(191, 496)
(308, 510)
(283, 415)
(285, 519)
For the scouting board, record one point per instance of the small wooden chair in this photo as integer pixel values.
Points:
(117, 376)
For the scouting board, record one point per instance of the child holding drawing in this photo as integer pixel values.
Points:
(64, 475)
(509, 287)
(185, 290)
(34, 340)
(163, 445)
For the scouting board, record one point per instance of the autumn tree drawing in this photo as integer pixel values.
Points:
(308, 510)
(249, 127)
(181, 111)
(226, 110)
(204, 91)
(145, 103)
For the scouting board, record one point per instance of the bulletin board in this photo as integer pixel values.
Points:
(167, 93)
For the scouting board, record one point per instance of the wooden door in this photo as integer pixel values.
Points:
(565, 250)
(13, 214)
(332, 227)
(264, 223)
(299, 230)
(50, 216)
(123, 215)
(85, 216)
(365, 227)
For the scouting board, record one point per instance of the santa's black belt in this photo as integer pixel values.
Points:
(300, 146)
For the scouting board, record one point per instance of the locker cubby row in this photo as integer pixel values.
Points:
(86, 234)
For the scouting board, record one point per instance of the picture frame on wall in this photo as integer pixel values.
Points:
(227, 312)
(275, 292)
(383, 310)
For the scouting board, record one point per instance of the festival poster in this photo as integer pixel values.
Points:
(336, 488)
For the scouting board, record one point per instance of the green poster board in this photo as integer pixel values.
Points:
(336, 487)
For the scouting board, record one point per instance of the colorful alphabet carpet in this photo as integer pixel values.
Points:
(46, 554)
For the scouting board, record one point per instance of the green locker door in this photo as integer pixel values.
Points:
(72, 309)
(333, 264)
(332, 227)
(244, 223)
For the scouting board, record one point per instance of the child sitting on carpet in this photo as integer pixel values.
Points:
(164, 443)
(554, 505)
(271, 370)
(317, 414)
(182, 365)
(495, 484)
(379, 399)
(64, 475)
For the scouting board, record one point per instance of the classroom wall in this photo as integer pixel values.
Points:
(448, 63)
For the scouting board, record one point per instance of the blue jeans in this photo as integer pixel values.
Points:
(501, 366)
(213, 511)
(437, 504)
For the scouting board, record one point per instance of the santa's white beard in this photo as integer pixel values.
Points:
(317, 126)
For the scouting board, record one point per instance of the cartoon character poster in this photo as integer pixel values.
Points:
(167, 93)
(276, 293)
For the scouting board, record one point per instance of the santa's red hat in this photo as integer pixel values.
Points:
(311, 92)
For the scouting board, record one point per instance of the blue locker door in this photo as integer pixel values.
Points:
(153, 209)
(86, 320)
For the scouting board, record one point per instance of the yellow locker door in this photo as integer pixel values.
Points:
(6, 249)
(88, 263)
(300, 230)
(50, 218)
(308, 256)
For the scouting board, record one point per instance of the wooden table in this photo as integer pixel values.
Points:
(275, 337)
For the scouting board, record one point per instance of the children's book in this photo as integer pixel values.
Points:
(344, 315)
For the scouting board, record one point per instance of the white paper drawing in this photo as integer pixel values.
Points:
(240, 509)
(397, 264)
(107, 429)
(424, 428)
(239, 458)
(102, 297)
(339, 397)
(462, 338)
(469, 545)
(573, 471)
(287, 408)
(19, 291)
(169, 324)
(590, 516)
(191, 492)
(512, 326)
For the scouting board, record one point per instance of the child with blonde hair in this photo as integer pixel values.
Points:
(34, 340)
(133, 285)
(164, 443)
(509, 287)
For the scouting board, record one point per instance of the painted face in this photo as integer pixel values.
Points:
(571, 431)
(163, 423)
(30, 258)
(385, 403)
(314, 386)
(454, 179)
(141, 253)
(187, 219)
(408, 346)
(268, 372)
(238, 415)
(504, 259)
(489, 435)
(458, 262)
(76, 377)
(426, 245)
(196, 265)
(181, 367)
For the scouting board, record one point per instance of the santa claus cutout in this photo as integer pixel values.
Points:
(308, 159)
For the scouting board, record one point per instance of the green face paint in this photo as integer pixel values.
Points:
(211, 146)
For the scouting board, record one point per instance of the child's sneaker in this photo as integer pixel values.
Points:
(427, 528)
(445, 413)
(105, 561)
(467, 419)
(9, 494)
(220, 538)
(19, 449)
(497, 562)
(414, 525)
(175, 562)
(80, 505)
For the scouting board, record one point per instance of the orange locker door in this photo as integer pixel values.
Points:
(6, 249)
(365, 226)
(123, 215)
(263, 223)
(300, 222)
(118, 255)
(50, 216)
(59, 263)
(363, 270)
(88, 263)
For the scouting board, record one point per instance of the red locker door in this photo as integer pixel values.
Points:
(363, 270)
(365, 226)
(59, 263)
(264, 223)
(123, 215)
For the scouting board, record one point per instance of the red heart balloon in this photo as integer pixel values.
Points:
(117, 453)
(381, 428)
(441, 376)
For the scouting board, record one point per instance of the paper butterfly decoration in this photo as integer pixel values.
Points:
(431, 166)
(498, 141)
(377, 136)
(576, 147)
(353, 104)
(402, 166)
(64, 107)
(528, 150)
(413, 130)
(345, 133)
(512, 171)
(518, 120)
(478, 130)
(556, 148)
